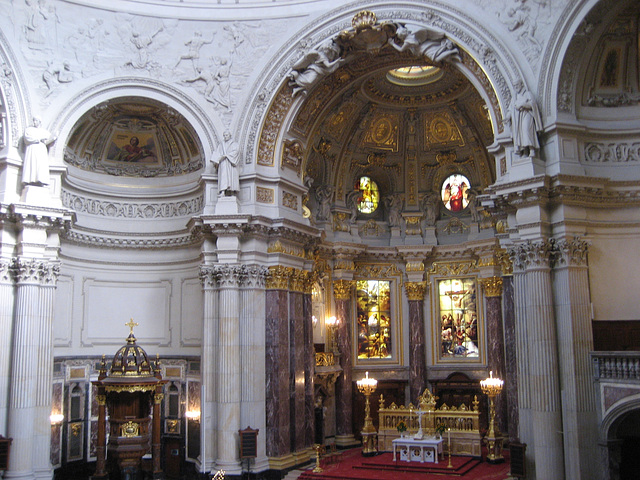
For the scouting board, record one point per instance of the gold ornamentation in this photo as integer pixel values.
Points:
(76, 429)
(505, 261)
(412, 223)
(274, 118)
(383, 133)
(129, 388)
(157, 398)
(371, 228)
(102, 400)
(299, 280)
(415, 290)
(278, 278)
(131, 324)
(442, 130)
(130, 429)
(344, 264)
(377, 271)
(290, 200)
(292, 155)
(414, 266)
(453, 269)
(173, 426)
(325, 359)
(265, 195)
(342, 289)
(279, 247)
(455, 225)
(363, 20)
(340, 223)
(492, 286)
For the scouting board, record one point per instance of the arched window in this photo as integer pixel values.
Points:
(454, 192)
(369, 195)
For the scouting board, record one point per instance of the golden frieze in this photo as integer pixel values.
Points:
(377, 271)
(455, 269)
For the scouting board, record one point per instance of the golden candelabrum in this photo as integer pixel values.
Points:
(367, 386)
(492, 387)
(332, 324)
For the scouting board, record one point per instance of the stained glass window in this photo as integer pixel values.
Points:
(369, 195)
(458, 318)
(454, 192)
(374, 319)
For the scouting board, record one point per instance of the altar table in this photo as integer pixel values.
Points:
(414, 450)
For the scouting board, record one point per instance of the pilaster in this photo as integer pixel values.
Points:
(6, 321)
(417, 360)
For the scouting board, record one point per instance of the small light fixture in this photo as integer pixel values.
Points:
(56, 418)
(314, 320)
(331, 322)
(192, 414)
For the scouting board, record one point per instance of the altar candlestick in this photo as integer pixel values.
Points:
(449, 437)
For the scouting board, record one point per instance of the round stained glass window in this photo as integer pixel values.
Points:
(369, 197)
(454, 192)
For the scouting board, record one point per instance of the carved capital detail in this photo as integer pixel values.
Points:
(533, 254)
(42, 272)
(278, 278)
(573, 252)
(415, 290)
(492, 286)
(102, 400)
(255, 276)
(342, 289)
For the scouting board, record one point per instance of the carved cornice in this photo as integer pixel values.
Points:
(42, 272)
(376, 271)
(102, 239)
(342, 289)
(415, 290)
(492, 286)
(453, 268)
(108, 208)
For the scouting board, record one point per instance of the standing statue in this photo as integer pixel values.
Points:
(35, 169)
(227, 158)
(315, 65)
(431, 45)
(526, 122)
(394, 205)
(431, 207)
(472, 197)
(323, 197)
(353, 199)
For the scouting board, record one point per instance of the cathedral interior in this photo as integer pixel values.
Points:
(279, 201)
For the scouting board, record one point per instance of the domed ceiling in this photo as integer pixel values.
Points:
(134, 137)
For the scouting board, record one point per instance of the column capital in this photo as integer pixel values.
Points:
(342, 289)
(533, 254)
(415, 290)
(278, 277)
(35, 271)
(572, 251)
(492, 286)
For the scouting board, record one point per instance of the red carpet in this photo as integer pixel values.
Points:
(351, 465)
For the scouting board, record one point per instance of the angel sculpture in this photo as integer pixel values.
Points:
(433, 46)
(315, 65)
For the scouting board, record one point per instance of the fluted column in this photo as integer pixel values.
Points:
(277, 360)
(6, 322)
(252, 355)
(30, 387)
(208, 369)
(539, 340)
(229, 377)
(417, 360)
(495, 342)
(575, 341)
(344, 385)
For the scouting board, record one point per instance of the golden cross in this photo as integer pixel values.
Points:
(131, 324)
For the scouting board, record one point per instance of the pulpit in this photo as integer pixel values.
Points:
(131, 395)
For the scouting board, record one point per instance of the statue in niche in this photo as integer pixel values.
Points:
(323, 197)
(526, 122)
(35, 169)
(227, 159)
(353, 198)
(316, 64)
(394, 205)
(425, 43)
(430, 204)
(472, 197)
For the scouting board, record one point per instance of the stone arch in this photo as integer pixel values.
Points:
(487, 63)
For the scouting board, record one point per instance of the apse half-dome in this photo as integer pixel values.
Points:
(135, 137)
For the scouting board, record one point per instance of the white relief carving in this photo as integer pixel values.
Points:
(620, 152)
(315, 65)
(194, 44)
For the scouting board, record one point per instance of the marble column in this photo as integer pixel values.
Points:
(417, 360)
(252, 355)
(277, 361)
(229, 375)
(6, 323)
(29, 397)
(542, 376)
(208, 369)
(495, 342)
(575, 341)
(511, 362)
(344, 385)
(310, 364)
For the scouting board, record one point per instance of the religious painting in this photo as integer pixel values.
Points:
(369, 196)
(458, 318)
(139, 148)
(374, 329)
(454, 192)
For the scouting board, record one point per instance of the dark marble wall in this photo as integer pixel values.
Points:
(309, 370)
(277, 382)
(495, 354)
(417, 360)
(511, 364)
(297, 364)
(344, 384)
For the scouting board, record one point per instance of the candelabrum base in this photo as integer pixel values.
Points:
(369, 444)
(494, 447)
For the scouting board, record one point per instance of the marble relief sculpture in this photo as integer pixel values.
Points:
(316, 64)
(433, 46)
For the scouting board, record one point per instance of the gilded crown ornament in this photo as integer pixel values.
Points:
(363, 20)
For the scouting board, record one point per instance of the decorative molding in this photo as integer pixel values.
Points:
(415, 290)
(415, 266)
(265, 195)
(533, 254)
(492, 286)
(43, 272)
(290, 200)
(278, 277)
(112, 209)
(377, 271)
(615, 152)
(572, 252)
(288, 249)
(453, 269)
(101, 240)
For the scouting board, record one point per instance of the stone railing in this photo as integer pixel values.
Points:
(616, 365)
(463, 421)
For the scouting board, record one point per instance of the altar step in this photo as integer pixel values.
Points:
(460, 465)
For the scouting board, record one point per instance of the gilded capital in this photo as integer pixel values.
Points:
(415, 290)
(102, 399)
(342, 289)
(492, 286)
(278, 278)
